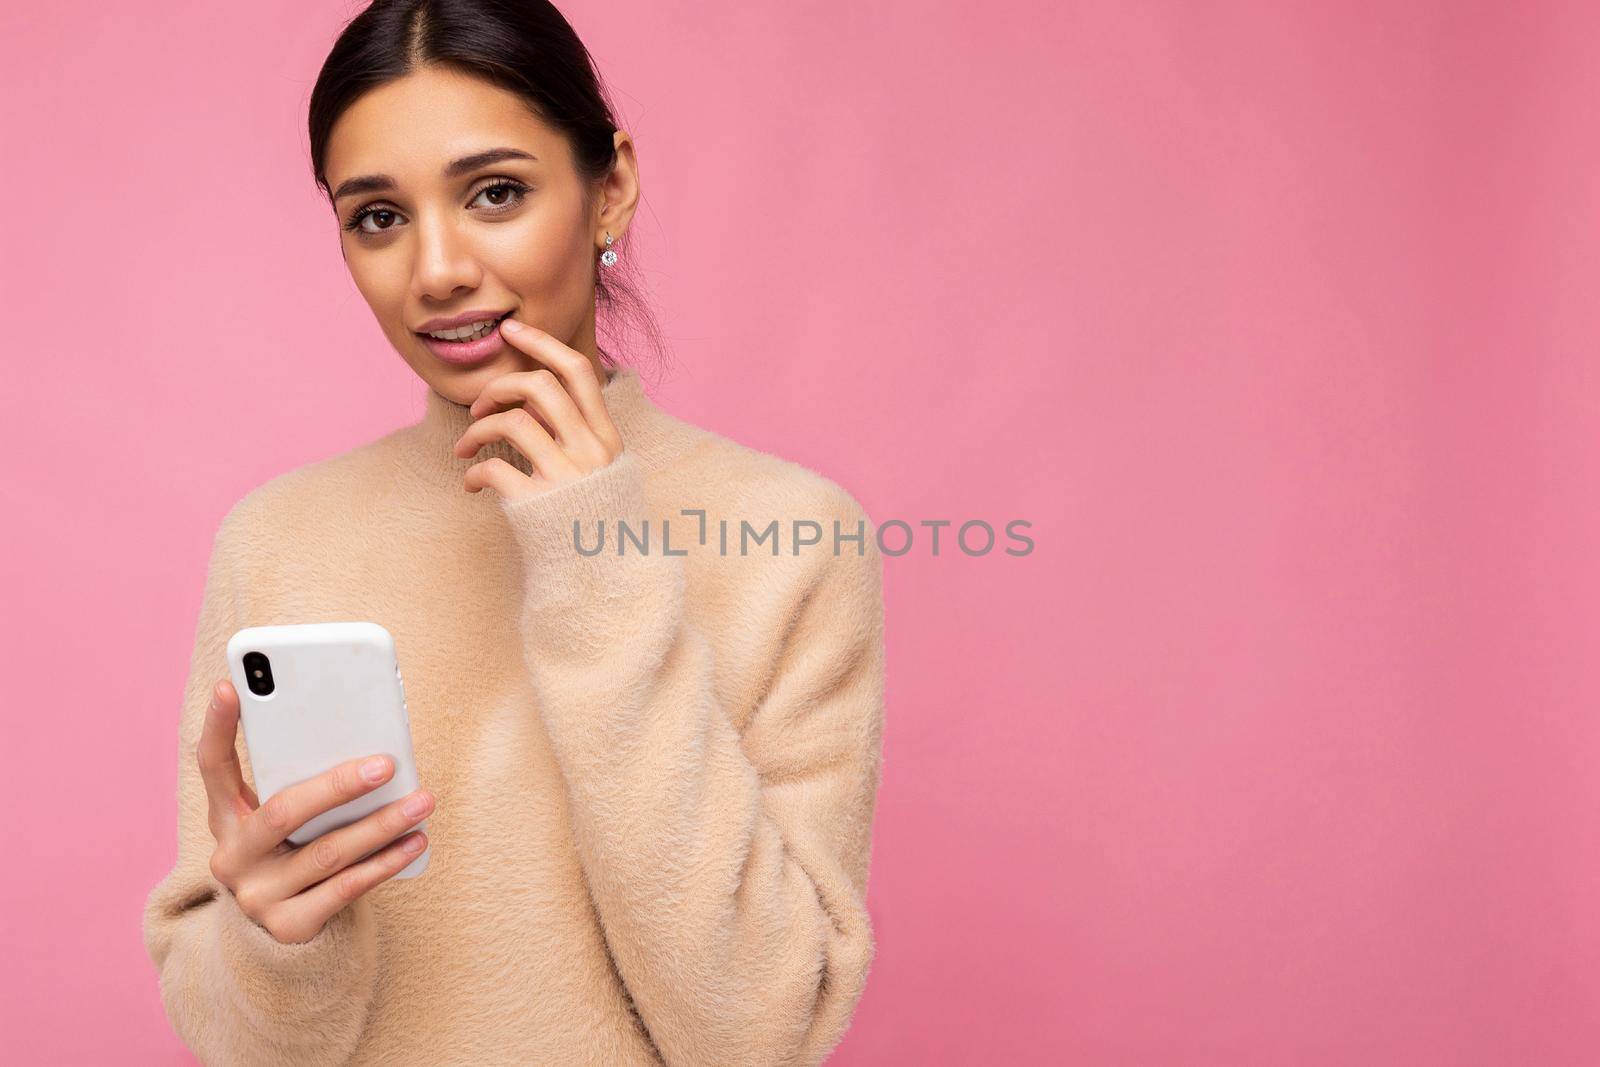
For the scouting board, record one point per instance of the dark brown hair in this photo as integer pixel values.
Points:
(526, 47)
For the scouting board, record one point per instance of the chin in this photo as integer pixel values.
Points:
(464, 384)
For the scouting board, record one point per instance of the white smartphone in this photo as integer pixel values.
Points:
(313, 695)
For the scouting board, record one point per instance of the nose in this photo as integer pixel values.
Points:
(445, 264)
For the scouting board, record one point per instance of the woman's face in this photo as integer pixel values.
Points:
(434, 238)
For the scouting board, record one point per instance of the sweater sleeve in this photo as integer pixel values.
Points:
(728, 870)
(232, 992)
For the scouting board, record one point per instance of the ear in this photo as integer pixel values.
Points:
(619, 193)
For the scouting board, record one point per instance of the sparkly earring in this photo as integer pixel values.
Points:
(608, 257)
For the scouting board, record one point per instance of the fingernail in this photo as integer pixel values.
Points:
(415, 806)
(510, 325)
(373, 769)
(412, 843)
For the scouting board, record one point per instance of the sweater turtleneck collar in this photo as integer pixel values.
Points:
(645, 431)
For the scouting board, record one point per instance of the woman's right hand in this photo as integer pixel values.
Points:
(293, 891)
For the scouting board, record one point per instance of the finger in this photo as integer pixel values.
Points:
(511, 391)
(524, 433)
(228, 799)
(551, 399)
(300, 917)
(546, 400)
(495, 473)
(546, 395)
(541, 393)
(292, 807)
(575, 370)
(337, 849)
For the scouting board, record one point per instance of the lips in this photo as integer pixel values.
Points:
(468, 348)
(457, 323)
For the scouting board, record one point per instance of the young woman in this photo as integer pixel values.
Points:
(649, 777)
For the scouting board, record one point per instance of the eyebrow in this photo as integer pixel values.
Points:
(382, 183)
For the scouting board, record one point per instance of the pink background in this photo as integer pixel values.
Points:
(1276, 320)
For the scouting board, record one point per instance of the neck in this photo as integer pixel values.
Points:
(645, 431)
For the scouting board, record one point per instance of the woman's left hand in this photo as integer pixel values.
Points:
(555, 416)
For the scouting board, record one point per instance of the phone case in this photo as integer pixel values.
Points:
(336, 695)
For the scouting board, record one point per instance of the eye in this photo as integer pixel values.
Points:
(503, 194)
(385, 218)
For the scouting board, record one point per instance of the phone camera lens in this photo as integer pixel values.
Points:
(258, 673)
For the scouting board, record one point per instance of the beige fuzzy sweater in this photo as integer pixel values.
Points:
(656, 773)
